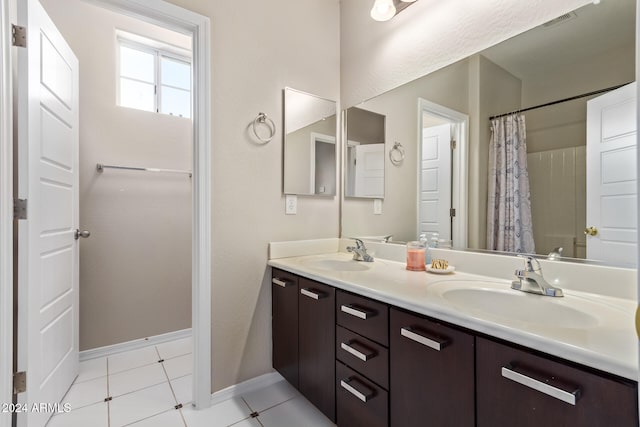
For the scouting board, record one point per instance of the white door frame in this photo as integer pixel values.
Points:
(6, 213)
(459, 169)
(169, 16)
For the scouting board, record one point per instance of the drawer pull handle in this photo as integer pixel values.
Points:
(281, 282)
(570, 397)
(362, 314)
(311, 294)
(346, 384)
(360, 355)
(431, 342)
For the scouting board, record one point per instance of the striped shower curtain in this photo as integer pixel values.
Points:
(509, 225)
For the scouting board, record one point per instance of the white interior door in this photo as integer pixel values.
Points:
(369, 169)
(612, 177)
(435, 181)
(48, 178)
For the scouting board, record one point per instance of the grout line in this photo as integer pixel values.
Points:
(150, 416)
(182, 416)
(89, 379)
(170, 385)
(245, 402)
(108, 402)
(278, 404)
(136, 367)
(157, 351)
(107, 377)
(239, 421)
(140, 389)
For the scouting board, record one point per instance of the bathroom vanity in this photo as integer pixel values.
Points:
(376, 345)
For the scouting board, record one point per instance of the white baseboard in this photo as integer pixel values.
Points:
(246, 387)
(133, 345)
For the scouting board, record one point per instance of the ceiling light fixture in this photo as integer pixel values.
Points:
(383, 10)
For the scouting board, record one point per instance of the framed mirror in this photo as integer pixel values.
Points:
(309, 144)
(364, 153)
(563, 69)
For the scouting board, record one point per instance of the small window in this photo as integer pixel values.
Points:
(152, 79)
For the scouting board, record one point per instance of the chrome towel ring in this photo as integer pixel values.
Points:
(263, 119)
(396, 154)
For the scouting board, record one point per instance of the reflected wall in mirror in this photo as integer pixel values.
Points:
(590, 49)
(364, 154)
(309, 144)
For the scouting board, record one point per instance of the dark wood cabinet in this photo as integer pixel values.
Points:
(363, 355)
(361, 403)
(362, 366)
(432, 373)
(517, 387)
(364, 316)
(365, 364)
(284, 323)
(316, 345)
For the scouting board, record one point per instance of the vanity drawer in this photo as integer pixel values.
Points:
(517, 387)
(365, 356)
(366, 317)
(360, 402)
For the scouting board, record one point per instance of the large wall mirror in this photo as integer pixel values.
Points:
(580, 148)
(309, 144)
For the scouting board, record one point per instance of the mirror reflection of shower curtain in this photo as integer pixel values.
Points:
(509, 225)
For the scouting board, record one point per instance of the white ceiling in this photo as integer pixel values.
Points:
(594, 29)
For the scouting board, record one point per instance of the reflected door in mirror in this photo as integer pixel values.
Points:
(309, 144)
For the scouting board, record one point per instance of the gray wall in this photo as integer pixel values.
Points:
(258, 48)
(135, 269)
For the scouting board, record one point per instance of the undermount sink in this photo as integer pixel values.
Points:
(337, 265)
(500, 301)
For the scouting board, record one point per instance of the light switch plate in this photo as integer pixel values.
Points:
(377, 206)
(291, 204)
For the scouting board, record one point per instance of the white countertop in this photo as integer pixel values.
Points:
(608, 343)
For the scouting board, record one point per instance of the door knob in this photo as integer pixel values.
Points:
(78, 234)
(590, 231)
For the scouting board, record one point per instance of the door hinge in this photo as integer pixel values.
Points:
(453, 144)
(452, 212)
(19, 208)
(19, 382)
(18, 36)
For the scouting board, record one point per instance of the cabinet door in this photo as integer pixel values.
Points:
(432, 373)
(284, 323)
(316, 347)
(516, 387)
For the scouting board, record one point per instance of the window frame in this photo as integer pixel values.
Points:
(158, 54)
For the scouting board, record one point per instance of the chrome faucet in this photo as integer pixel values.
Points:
(556, 253)
(530, 279)
(360, 252)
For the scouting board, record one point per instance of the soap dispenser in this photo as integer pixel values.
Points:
(433, 243)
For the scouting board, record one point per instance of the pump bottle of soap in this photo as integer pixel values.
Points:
(433, 243)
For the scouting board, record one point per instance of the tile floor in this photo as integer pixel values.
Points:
(151, 387)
